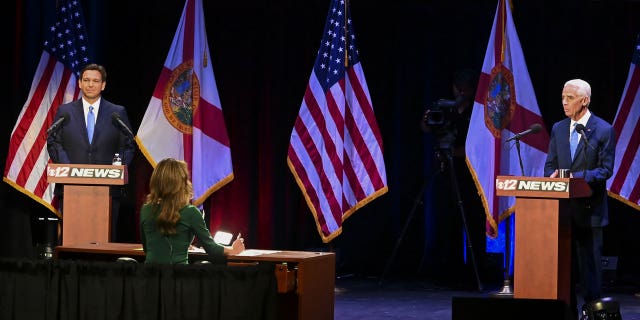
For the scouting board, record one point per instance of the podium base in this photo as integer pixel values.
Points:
(506, 291)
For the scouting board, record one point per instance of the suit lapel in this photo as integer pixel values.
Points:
(589, 130)
(103, 119)
(591, 127)
(564, 150)
(78, 113)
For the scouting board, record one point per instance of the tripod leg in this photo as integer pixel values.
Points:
(416, 202)
(454, 183)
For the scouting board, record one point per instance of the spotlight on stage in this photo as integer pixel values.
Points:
(601, 309)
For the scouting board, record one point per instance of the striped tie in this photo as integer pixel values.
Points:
(91, 123)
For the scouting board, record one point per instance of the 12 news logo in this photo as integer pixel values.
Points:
(532, 185)
(64, 172)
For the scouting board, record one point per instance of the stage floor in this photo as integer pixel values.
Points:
(364, 298)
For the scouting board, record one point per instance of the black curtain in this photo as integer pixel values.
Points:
(107, 290)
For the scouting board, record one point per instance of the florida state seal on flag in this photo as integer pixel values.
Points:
(184, 117)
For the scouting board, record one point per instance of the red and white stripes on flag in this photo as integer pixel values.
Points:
(184, 118)
(54, 83)
(335, 151)
(625, 185)
(505, 104)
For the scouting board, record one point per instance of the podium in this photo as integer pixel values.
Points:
(542, 260)
(86, 208)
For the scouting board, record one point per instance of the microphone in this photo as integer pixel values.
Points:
(533, 129)
(580, 129)
(59, 123)
(115, 117)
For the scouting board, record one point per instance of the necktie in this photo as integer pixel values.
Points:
(574, 138)
(91, 122)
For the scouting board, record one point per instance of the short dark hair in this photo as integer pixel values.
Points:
(97, 67)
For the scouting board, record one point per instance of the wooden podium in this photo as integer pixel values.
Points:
(86, 208)
(542, 267)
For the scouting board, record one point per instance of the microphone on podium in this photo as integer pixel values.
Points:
(580, 129)
(58, 124)
(533, 129)
(120, 124)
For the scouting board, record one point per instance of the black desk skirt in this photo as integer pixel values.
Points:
(59, 289)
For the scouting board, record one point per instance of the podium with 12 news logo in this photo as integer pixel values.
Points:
(542, 260)
(86, 211)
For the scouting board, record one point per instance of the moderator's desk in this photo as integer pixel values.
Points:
(306, 280)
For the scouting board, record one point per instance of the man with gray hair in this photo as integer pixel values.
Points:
(584, 144)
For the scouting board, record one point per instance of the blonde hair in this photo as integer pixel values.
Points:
(169, 191)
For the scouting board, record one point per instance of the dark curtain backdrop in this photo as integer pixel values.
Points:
(263, 52)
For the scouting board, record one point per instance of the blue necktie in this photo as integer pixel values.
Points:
(91, 123)
(574, 138)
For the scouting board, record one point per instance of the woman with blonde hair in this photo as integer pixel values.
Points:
(169, 222)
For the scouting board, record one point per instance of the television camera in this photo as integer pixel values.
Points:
(437, 114)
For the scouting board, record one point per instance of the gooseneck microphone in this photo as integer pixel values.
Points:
(533, 129)
(115, 117)
(580, 129)
(59, 123)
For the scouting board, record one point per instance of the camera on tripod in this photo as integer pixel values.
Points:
(439, 112)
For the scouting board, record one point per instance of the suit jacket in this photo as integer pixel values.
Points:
(70, 144)
(593, 161)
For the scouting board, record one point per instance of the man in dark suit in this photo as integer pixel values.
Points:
(592, 159)
(79, 141)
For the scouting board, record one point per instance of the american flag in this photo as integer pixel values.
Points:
(335, 151)
(625, 186)
(54, 83)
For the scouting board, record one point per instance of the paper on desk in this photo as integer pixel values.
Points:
(196, 249)
(255, 252)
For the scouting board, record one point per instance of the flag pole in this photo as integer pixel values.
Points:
(506, 290)
(346, 34)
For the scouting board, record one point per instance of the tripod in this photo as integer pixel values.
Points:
(443, 154)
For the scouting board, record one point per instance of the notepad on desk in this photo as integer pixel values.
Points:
(194, 249)
(255, 252)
